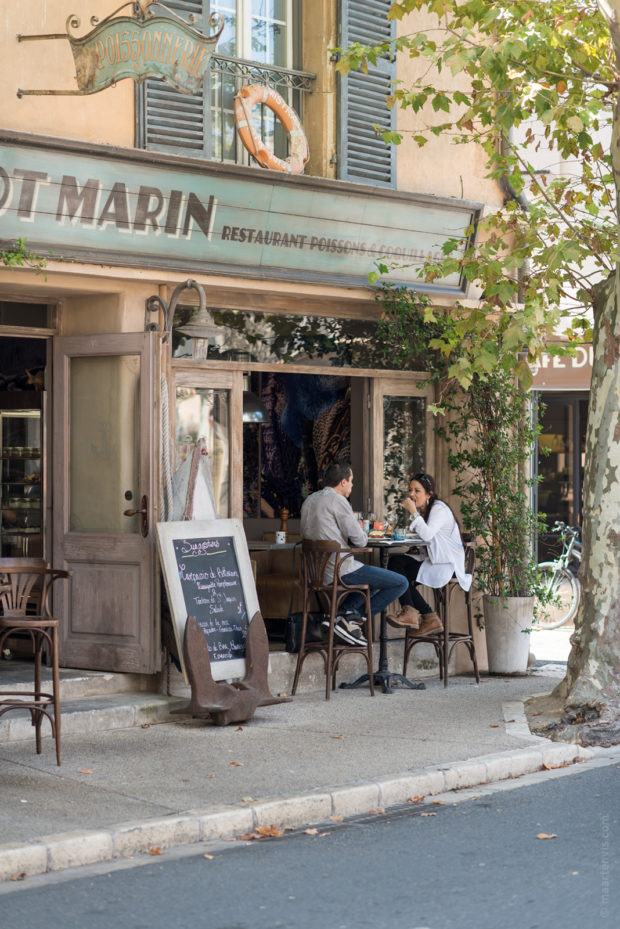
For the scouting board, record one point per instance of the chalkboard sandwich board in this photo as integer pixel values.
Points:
(208, 575)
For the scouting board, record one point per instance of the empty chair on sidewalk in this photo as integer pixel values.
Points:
(25, 588)
(445, 642)
(330, 594)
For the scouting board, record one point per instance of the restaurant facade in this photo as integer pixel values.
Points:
(167, 287)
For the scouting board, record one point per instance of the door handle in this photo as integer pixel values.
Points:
(143, 513)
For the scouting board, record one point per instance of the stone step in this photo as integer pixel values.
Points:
(95, 714)
(98, 700)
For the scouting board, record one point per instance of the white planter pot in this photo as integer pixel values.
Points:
(508, 646)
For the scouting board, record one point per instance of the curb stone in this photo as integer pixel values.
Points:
(58, 852)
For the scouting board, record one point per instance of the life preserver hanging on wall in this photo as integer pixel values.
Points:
(298, 144)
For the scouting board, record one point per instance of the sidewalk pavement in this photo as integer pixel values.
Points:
(125, 792)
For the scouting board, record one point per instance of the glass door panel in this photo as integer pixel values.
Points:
(104, 437)
(404, 447)
(204, 412)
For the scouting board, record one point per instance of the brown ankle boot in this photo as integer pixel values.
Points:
(408, 618)
(430, 622)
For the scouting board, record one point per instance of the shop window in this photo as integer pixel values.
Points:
(404, 439)
(560, 462)
(259, 44)
(266, 337)
(363, 115)
(308, 425)
(205, 413)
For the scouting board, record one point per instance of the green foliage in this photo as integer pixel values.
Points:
(487, 429)
(532, 78)
(16, 255)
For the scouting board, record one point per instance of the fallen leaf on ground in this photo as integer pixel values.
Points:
(438, 802)
(338, 736)
(428, 814)
(247, 836)
(417, 799)
(155, 850)
(543, 835)
(145, 726)
(269, 830)
(510, 720)
(550, 767)
(239, 729)
(282, 695)
(18, 877)
(537, 713)
(494, 726)
(247, 799)
(311, 831)
(336, 819)
(236, 764)
(208, 776)
(322, 834)
(85, 771)
(210, 857)
(376, 812)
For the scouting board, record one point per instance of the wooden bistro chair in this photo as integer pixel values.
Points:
(330, 594)
(25, 587)
(445, 642)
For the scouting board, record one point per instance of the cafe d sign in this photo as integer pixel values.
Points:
(126, 47)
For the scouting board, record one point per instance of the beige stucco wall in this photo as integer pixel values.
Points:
(106, 117)
(439, 167)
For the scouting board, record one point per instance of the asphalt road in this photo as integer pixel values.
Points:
(475, 863)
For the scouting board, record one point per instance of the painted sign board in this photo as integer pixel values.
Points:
(564, 372)
(208, 575)
(132, 208)
(124, 47)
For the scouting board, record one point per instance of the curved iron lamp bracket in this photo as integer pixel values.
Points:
(155, 304)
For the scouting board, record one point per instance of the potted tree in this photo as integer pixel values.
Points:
(490, 437)
(486, 422)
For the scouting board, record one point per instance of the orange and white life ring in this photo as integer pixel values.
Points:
(298, 144)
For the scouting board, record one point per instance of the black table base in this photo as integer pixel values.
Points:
(385, 680)
(383, 677)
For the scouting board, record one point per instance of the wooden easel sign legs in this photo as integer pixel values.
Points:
(227, 703)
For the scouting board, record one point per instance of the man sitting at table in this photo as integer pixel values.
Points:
(327, 516)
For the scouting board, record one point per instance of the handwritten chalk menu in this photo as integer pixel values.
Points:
(213, 593)
(208, 575)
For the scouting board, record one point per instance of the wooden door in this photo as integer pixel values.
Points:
(104, 463)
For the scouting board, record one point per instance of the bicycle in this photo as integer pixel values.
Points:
(559, 581)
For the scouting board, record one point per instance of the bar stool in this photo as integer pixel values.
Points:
(315, 556)
(24, 600)
(445, 642)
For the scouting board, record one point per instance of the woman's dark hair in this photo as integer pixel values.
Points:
(428, 483)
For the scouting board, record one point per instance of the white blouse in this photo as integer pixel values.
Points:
(444, 555)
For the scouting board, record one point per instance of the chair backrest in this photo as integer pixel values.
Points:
(29, 584)
(316, 554)
(470, 557)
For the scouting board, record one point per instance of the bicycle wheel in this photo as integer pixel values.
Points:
(563, 590)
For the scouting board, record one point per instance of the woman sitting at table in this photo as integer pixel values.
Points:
(442, 558)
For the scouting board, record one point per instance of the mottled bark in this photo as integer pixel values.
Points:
(591, 689)
(593, 674)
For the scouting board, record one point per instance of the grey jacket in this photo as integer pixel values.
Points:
(328, 516)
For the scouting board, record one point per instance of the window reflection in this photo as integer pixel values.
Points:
(275, 338)
(404, 447)
(205, 413)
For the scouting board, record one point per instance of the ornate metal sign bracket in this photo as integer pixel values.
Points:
(136, 47)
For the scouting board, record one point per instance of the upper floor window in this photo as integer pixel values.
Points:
(259, 44)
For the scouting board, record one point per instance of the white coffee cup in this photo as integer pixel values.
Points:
(280, 537)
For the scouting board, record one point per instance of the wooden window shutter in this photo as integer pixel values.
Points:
(362, 155)
(169, 121)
